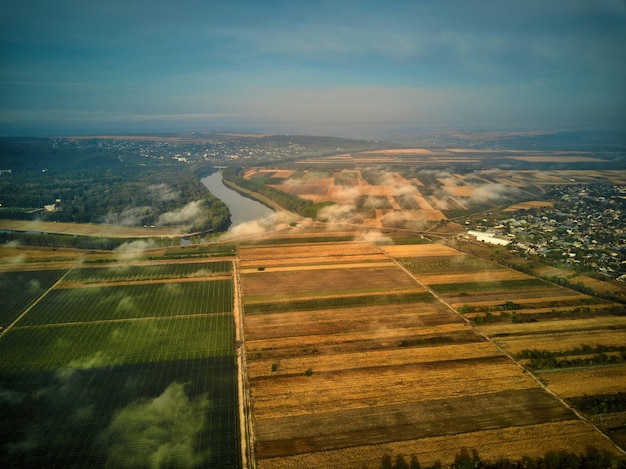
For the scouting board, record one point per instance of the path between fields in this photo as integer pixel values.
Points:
(246, 429)
(501, 350)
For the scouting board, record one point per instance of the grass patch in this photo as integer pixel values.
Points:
(526, 284)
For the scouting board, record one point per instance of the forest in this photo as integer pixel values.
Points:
(89, 183)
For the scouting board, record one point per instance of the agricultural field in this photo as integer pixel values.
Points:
(118, 367)
(575, 344)
(364, 359)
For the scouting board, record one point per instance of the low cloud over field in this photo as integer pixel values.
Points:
(159, 432)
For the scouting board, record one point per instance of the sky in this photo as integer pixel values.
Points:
(343, 67)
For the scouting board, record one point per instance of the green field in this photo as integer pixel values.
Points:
(127, 375)
(20, 289)
(148, 272)
(100, 303)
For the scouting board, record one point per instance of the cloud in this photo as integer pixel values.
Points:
(133, 249)
(490, 193)
(162, 192)
(159, 432)
(131, 216)
(96, 360)
(185, 215)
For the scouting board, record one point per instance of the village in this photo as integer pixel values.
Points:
(583, 229)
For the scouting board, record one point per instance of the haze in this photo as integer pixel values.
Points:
(350, 68)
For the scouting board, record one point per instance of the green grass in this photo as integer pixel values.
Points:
(131, 301)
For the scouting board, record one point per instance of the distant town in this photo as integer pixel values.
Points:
(583, 229)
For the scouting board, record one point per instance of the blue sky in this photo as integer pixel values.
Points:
(355, 68)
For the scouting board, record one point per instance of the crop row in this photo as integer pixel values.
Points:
(104, 344)
(131, 301)
(148, 272)
(19, 289)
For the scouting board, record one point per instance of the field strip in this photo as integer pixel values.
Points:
(313, 260)
(278, 297)
(289, 299)
(516, 442)
(527, 301)
(374, 358)
(323, 339)
(581, 382)
(562, 341)
(301, 267)
(548, 327)
(467, 277)
(111, 321)
(116, 283)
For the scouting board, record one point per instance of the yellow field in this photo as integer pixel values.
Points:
(562, 341)
(330, 385)
(516, 442)
(588, 382)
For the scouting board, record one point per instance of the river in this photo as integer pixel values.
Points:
(242, 209)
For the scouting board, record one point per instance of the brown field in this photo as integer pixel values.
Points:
(411, 375)
(296, 282)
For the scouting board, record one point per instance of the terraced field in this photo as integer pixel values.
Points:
(364, 360)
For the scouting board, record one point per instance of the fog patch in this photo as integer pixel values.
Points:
(159, 432)
(130, 216)
(376, 237)
(162, 192)
(337, 213)
(34, 286)
(490, 193)
(133, 249)
(8, 396)
(96, 360)
(188, 214)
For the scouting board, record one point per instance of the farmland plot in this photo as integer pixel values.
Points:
(19, 289)
(339, 371)
(131, 301)
(115, 376)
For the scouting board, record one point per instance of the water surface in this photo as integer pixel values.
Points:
(242, 209)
